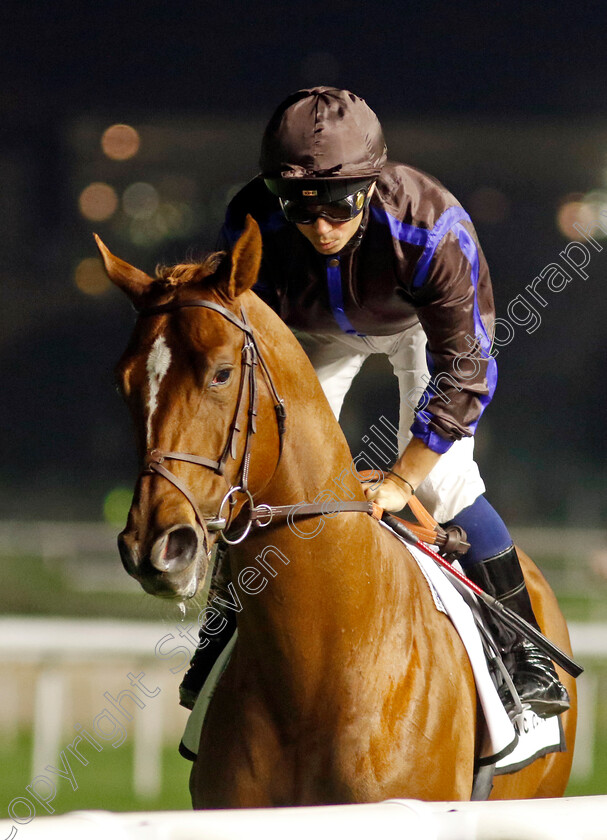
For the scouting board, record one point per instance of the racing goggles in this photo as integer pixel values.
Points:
(304, 213)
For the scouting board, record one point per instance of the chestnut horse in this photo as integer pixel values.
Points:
(346, 684)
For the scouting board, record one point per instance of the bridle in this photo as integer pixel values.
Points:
(261, 515)
(251, 357)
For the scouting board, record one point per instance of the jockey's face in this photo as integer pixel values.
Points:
(330, 237)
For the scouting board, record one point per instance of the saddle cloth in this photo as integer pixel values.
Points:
(509, 745)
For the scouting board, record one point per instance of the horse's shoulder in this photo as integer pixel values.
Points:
(407, 571)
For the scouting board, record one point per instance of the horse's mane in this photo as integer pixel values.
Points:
(169, 276)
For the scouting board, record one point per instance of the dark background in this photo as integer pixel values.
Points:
(504, 103)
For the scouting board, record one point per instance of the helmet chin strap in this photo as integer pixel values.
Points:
(365, 217)
(357, 237)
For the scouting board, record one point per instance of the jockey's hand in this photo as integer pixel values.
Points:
(389, 495)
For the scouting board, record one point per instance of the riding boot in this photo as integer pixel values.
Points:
(205, 656)
(533, 675)
(210, 645)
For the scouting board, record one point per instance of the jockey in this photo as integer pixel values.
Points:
(362, 256)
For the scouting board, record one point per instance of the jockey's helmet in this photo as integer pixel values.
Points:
(321, 145)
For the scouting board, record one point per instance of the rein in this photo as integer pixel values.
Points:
(260, 515)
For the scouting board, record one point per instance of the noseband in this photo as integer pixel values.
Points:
(251, 357)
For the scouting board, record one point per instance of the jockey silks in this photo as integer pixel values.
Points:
(414, 258)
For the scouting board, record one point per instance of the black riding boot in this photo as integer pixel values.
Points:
(533, 673)
(210, 646)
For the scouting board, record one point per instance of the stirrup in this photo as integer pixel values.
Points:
(537, 682)
(532, 671)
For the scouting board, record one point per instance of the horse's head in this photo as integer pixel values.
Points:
(189, 378)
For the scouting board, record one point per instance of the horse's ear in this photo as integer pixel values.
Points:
(246, 259)
(131, 280)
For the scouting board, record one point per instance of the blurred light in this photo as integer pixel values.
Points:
(584, 211)
(172, 219)
(488, 206)
(98, 201)
(596, 201)
(120, 142)
(116, 505)
(145, 233)
(140, 201)
(90, 277)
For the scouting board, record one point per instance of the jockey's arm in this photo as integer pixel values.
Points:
(414, 465)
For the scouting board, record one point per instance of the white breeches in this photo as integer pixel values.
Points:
(455, 482)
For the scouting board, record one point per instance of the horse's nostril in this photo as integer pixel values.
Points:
(182, 545)
(175, 550)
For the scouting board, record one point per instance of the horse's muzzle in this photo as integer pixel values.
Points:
(172, 565)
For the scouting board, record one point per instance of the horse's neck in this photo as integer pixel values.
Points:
(315, 465)
(316, 457)
(333, 584)
(333, 605)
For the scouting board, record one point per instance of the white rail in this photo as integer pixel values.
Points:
(54, 646)
(577, 818)
(51, 644)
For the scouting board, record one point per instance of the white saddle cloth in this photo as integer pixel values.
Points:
(511, 745)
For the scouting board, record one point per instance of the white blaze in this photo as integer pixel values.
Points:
(156, 366)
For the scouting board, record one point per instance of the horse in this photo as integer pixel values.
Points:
(346, 684)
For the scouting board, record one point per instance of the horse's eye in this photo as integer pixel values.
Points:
(221, 377)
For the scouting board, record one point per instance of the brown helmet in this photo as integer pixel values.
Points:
(321, 145)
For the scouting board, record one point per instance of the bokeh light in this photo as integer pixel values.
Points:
(120, 142)
(140, 201)
(171, 219)
(116, 506)
(145, 233)
(98, 202)
(90, 277)
(596, 202)
(584, 211)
